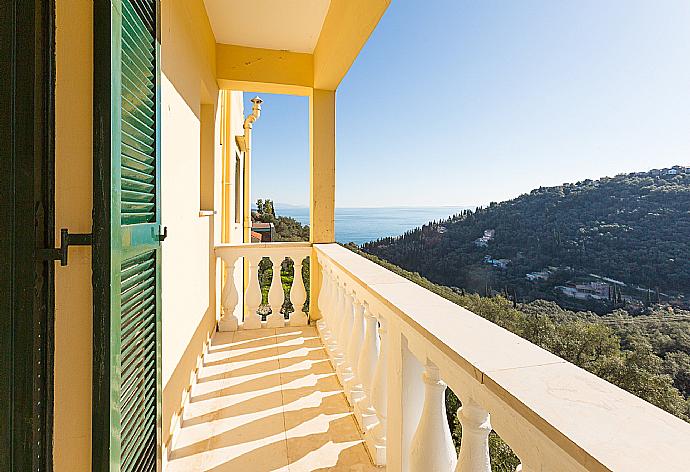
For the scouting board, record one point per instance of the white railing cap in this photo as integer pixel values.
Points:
(298, 248)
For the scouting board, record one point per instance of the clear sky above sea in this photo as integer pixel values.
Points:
(466, 102)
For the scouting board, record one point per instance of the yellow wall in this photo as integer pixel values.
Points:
(189, 297)
(73, 203)
(190, 272)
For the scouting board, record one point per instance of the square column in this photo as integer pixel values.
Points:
(322, 182)
(322, 166)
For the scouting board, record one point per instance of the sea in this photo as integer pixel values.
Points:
(361, 225)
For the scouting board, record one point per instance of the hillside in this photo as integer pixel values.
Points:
(632, 231)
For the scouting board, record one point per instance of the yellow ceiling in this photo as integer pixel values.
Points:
(292, 25)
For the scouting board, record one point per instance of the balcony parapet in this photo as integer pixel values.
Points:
(395, 347)
(232, 255)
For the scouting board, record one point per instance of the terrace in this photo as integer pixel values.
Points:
(366, 387)
(147, 351)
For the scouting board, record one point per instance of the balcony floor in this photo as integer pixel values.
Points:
(268, 400)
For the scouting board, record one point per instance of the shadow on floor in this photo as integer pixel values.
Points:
(268, 400)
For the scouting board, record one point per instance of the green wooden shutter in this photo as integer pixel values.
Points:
(128, 315)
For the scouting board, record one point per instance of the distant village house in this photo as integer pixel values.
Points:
(484, 240)
(263, 232)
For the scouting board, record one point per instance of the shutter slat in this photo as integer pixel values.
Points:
(137, 299)
(139, 74)
(134, 153)
(134, 295)
(134, 55)
(133, 174)
(138, 126)
(137, 33)
(147, 11)
(140, 431)
(131, 129)
(142, 96)
(137, 197)
(140, 147)
(140, 335)
(138, 361)
(147, 461)
(144, 11)
(131, 393)
(132, 325)
(134, 321)
(139, 121)
(138, 440)
(130, 461)
(141, 113)
(137, 186)
(130, 408)
(136, 164)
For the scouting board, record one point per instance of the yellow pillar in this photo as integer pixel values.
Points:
(322, 163)
(322, 182)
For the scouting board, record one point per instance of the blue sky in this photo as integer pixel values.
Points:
(467, 102)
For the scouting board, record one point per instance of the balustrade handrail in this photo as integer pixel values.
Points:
(247, 248)
(553, 414)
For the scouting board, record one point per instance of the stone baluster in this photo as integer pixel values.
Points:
(343, 369)
(379, 396)
(366, 368)
(298, 297)
(474, 447)
(432, 445)
(328, 291)
(229, 298)
(354, 390)
(341, 336)
(334, 349)
(252, 295)
(330, 301)
(276, 295)
(323, 301)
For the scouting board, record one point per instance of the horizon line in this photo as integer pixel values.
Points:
(306, 207)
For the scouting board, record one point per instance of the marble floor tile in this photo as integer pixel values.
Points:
(268, 400)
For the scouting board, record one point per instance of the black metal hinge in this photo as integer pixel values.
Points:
(67, 239)
(162, 237)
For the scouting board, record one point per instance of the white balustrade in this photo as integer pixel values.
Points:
(395, 346)
(252, 254)
(413, 343)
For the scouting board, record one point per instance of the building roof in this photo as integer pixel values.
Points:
(258, 225)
